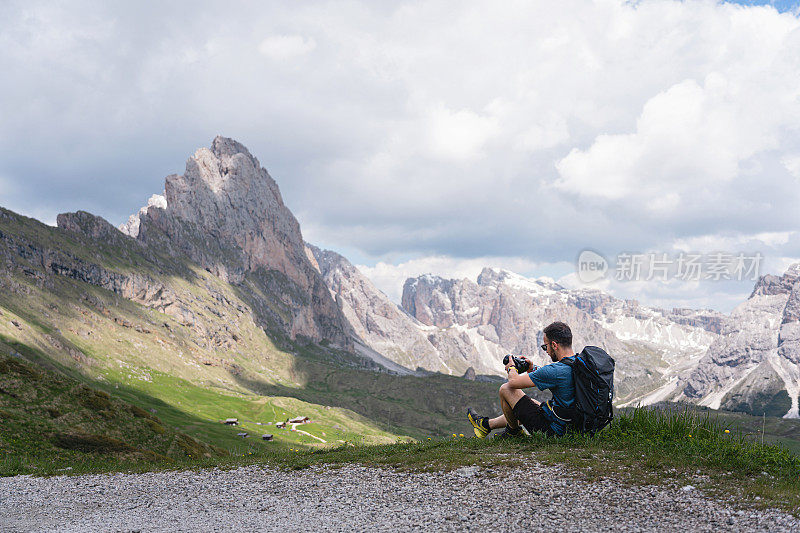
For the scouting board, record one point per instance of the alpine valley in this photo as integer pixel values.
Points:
(208, 304)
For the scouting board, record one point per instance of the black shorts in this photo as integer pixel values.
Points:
(531, 416)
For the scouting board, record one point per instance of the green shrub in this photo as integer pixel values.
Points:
(138, 412)
(11, 366)
(93, 399)
(91, 443)
(156, 427)
(189, 446)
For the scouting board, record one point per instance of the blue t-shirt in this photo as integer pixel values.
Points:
(558, 378)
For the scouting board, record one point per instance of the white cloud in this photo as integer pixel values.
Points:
(665, 203)
(530, 129)
(458, 134)
(686, 136)
(283, 47)
(792, 164)
(757, 242)
(546, 132)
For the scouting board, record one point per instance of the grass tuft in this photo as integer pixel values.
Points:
(90, 443)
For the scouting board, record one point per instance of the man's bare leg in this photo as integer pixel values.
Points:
(497, 423)
(508, 399)
(508, 411)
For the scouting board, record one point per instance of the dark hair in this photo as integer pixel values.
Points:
(559, 332)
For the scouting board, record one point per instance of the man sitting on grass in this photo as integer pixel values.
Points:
(519, 408)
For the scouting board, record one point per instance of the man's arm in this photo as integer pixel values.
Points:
(516, 380)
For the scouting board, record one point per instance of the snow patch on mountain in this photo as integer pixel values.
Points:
(131, 227)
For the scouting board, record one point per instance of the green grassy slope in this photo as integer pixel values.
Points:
(48, 417)
(141, 426)
(210, 359)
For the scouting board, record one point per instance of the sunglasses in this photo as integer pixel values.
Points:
(544, 347)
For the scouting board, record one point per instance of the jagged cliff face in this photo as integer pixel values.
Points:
(376, 320)
(503, 308)
(395, 333)
(505, 313)
(226, 214)
(754, 365)
(187, 323)
(134, 286)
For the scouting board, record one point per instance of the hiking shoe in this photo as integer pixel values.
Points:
(509, 433)
(479, 423)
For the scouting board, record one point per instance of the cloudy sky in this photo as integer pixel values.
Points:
(430, 136)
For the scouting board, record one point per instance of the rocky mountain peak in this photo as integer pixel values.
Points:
(88, 224)
(328, 261)
(228, 200)
(493, 277)
(226, 213)
(771, 284)
(430, 299)
(226, 192)
(224, 146)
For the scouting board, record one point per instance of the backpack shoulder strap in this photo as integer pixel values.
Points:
(569, 362)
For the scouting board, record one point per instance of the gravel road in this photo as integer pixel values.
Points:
(355, 498)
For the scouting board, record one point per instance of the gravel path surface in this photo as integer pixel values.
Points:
(355, 498)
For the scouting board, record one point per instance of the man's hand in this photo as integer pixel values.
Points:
(517, 381)
(530, 364)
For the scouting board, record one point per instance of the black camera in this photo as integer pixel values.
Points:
(519, 363)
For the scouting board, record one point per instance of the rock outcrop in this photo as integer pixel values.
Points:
(754, 365)
(133, 286)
